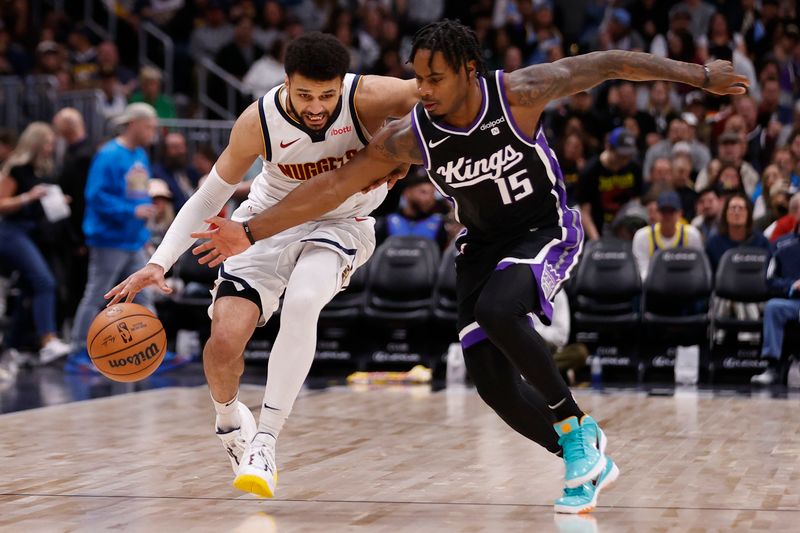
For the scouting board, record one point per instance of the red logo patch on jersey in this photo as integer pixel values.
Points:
(340, 131)
(287, 145)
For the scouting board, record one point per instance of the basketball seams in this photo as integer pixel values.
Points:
(91, 342)
(125, 348)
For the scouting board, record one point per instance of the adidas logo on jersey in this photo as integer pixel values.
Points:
(341, 131)
(492, 124)
(466, 172)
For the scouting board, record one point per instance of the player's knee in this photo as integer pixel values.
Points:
(493, 314)
(302, 302)
(224, 346)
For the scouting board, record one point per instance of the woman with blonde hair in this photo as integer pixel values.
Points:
(22, 185)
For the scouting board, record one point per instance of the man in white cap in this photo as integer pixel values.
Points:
(118, 207)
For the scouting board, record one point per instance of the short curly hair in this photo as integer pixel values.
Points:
(317, 56)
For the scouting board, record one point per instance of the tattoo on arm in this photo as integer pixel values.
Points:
(536, 85)
(396, 142)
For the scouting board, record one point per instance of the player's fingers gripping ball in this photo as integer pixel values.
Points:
(126, 342)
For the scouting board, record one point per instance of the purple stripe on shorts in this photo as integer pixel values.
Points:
(473, 337)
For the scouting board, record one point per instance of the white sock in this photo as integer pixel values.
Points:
(314, 281)
(227, 414)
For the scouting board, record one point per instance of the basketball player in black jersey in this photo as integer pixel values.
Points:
(479, 137)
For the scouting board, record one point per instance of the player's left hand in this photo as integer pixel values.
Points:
(390, 179)
(724, 80)
(224, 241)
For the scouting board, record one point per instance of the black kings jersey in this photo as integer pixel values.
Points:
(502, 183)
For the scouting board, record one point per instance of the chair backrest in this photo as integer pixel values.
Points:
(445, 291)
(677, 277)
(404, 269)
(742, 275)
(608, 272)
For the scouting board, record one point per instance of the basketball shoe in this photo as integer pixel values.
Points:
(584, 446)
(235, 441)
(257, 473)
(583, 499)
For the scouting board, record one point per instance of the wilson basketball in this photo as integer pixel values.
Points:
(126, 342)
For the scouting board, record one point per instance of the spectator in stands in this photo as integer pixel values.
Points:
(728, 180)
(158, 224)
(731, 152)
(572, 161)
(237, 56)
(770, 176)
(679, 131)
(174, 169)
(700, 13)
(669, 233)
(681, 179)
(783, 278)
(8, 141)
(22, 181)
(747, 108)
(660, 175)
(735, 229)
(108, 65)
(267, 72)
(68, 124)
(709, 207)
(623, 112)
(203, 159)
(719, 43)
(114, 99)
(660, 107)
(417, 214)
(616, 33)
(82, 57)
(271, 24)
(777, 208)
(150, 92)
(117, 209)
(650, 17)
(214, 32)
(49, 59)
(608, 182)
(14, 60)
(785, 224)
(578, 109)
(785, 161)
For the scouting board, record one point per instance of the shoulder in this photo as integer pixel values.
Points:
(641, 236)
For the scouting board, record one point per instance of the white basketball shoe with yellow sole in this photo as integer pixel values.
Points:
(257, 472)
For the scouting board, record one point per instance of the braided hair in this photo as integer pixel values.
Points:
(457, 43)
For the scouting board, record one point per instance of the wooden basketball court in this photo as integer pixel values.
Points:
(393, 460)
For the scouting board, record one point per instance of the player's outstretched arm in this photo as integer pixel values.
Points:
(393, 145)
(536, 85)
(244, 146)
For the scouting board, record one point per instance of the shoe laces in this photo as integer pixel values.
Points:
(263, 456)
(573, 445)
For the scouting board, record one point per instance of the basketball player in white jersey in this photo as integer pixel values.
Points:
(316, 121)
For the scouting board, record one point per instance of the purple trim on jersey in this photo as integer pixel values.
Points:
(420, 140)
(501, 86)
(482, 113)
(473, 337)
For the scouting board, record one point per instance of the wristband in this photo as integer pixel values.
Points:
(247, 232)
(706, 76)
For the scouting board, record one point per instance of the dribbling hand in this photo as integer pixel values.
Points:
(226, 240)
(150, 275)
(722, 79)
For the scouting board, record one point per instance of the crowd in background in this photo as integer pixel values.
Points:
(659, 164)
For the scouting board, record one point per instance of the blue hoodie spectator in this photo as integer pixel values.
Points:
(117, 183)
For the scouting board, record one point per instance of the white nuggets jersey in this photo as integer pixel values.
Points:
(295, 153)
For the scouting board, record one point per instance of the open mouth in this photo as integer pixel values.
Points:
(317, 120)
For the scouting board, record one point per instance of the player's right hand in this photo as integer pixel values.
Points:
(150, 275)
